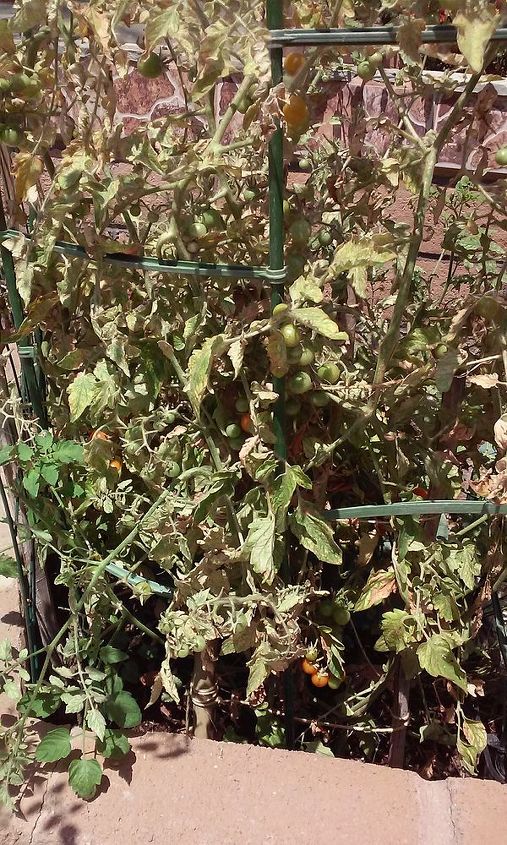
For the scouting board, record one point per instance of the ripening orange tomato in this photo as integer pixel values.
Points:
(246, 422)
(115, 464)
(100, 435)
(320, 679)
(293, 63)
(296, 112)
(308, 667)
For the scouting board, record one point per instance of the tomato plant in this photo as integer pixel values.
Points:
(172, 527)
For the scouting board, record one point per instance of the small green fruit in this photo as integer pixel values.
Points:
(501, 156)
(307, 357)
(326, 609)
(305, 164)
(233, 431)
(151, 67)
(291, 335)
(281, 308)
(300, 383)
(173, 469)
(341, 615)
(242, 405)
(320, 399)
(329, 373)
(293, 407)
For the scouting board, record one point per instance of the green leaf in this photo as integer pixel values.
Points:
(6, 454)
(81, 393)
(49, 473)
(260, 543)
(45, 703)
(124, 710)
(109, 654)
(318, 321)
(31, 482)
(8, 567)
(199, 368)
(113, 745)
(54, 746)
(446, 369)
(315, 535)
(74, 703)
(68, 452)
(285, 487)
(398, 630)
(378, 587)
(25, 452)
(437, 658)
(96, 722)
(84, 777)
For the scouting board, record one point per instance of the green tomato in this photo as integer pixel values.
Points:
(305, 164)
(341, 615)
(325, 237)
(197, 230)
(334, 683)
(173, 469)
(440, 350)
(307, 357)
(212, 219)
(329, 373)
(151, 67)
(311, 654)
(366, 70)
(236, 444)
(199, 644)
(300, 383)
(9, 136)
(300, 231)
(233, 431)
(501, 156)
(326, 609)
(293, 355)
(249, 195)
(170, 417)
(242, 405)
(135, 210)
(291, 335)
(293, 407)
(319, 399)
(281, 308)
(183, 652)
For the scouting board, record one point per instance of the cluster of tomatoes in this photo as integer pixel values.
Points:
(319, 677)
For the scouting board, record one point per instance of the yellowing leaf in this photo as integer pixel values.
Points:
(315, 535)
(409, 37)
(378, 587)
(475, 24)
(437, 658)
(81, 393)
(27, 168)
(319, 322)
(261, 543)
(277, 354)
(199, 368)
(486, 380)
(362, 252)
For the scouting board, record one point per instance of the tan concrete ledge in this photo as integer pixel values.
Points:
(209, 793)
